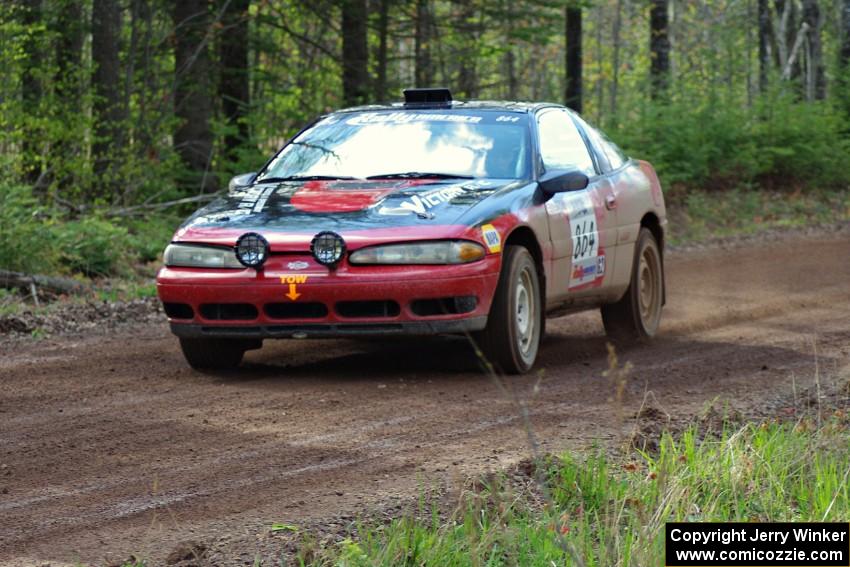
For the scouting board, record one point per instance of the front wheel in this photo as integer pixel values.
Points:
(214, 354)
(512, 336)
(637, 315)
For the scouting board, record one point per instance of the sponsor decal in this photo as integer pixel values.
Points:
(421, 204)
(254, 199)
(292, 280)
(600, 265)
(407, 117)
(584, 272)
(492, 238)
(478, 184)
(297, 265)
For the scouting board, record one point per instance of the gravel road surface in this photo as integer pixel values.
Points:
(111, 445)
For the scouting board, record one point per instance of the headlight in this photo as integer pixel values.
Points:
(443, 252)
(190, 256)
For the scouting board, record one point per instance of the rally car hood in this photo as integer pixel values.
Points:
(289, 213)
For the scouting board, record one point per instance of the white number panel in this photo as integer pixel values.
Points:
(588, 259)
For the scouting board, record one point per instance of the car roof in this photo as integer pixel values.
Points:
(500, 105)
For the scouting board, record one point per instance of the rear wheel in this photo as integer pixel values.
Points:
(637, 315)
(512, 336)
(215, 354)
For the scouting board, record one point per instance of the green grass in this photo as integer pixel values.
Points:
(698, 215)
(612, 512)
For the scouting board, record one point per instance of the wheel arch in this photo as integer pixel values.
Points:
(524, 236)
(651, 221)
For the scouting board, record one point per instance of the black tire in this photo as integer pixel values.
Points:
(213, 354)
(638, 314)
(510, 341)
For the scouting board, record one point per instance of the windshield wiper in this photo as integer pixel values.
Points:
(304, 178)
(419, 175)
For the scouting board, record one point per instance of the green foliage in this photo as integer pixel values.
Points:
(148, 237)
(613, 513)
(700, 214)
(26, 244)
(92, 246)
(779, 143)
(34, 239)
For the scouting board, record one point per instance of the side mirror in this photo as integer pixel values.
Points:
(560, 181)
(241, 181)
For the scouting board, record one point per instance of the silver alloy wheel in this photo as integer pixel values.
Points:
(649, 289)
(525, 311)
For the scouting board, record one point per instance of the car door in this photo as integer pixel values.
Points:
(582, 229)
(631, 192)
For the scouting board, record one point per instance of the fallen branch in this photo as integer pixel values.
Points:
(136, 209)
(52, 284)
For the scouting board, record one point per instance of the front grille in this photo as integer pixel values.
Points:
(358, 309)
(310, 310)
(228, 311)
(444, 306)
(179, 310)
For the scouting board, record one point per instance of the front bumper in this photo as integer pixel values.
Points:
(293, 296)
(304, 331)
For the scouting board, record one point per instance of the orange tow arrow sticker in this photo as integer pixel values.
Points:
(293, 292)
(293, 281)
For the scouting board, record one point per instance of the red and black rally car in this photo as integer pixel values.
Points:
(423, 217)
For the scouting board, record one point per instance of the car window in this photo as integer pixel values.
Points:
(373, 143)
(614, 153)
(595, 144)
(561, 144)
(603, 145)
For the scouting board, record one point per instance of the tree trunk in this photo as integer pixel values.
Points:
(69, 50)
(815, 76)
(143, 132)
(69, 30)
(53, 284)
(355, 54)
(424, 72)
(193, 93)
(659, 49)
(383, 33)
(31, 88)
(233, 86)
(764, 44)
(615, 59)
(108, 109)
(844, 53)
(467, 77)
(511, 82)
(573, 89)
(843, 82)
(599, 83)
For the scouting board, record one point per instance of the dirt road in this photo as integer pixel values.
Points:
(110, 445)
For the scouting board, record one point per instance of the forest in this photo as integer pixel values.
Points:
(117, 117)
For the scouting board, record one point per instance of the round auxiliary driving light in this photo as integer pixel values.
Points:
(327, 248)
(252, 250)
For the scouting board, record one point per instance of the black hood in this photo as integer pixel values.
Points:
(350, 204)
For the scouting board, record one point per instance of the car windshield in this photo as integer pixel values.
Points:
(408, 143)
